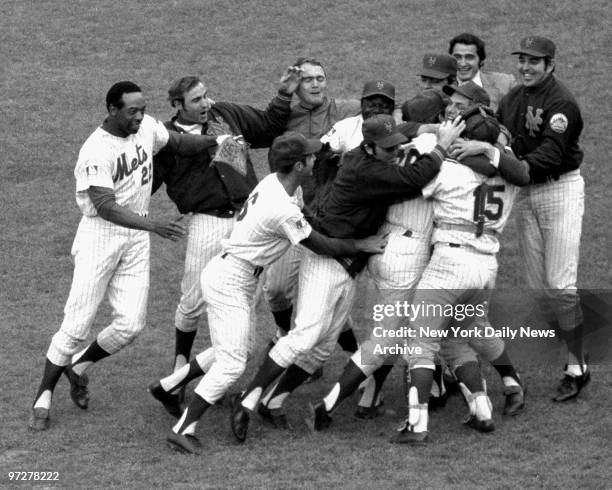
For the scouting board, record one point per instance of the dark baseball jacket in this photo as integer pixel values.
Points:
(196, 186)
(357, 201)
(545, 124)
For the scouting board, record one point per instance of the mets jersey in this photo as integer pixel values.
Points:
(268, 224)
(122, 164)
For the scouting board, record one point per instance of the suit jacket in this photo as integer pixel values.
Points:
(497, 85)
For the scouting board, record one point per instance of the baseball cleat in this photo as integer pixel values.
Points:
(39, 419)
(184, 443)
(169, 401)
(369, 413)
(319, 418)
(485, 425)
(239, 418)
(515, 400)
(78, 388)
(275, 417)
(570, 386)
(405, 434)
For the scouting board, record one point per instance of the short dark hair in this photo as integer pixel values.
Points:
(302, 60)
(115, 93)
(180, 87)
(467, 38)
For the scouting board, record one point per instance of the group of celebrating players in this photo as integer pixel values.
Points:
(416, 193)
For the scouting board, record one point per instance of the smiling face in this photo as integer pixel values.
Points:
(458, 105)
(313, 85)
(533, 70)
(376, 104)
(126, 120)
(468, 62)
(195, 106)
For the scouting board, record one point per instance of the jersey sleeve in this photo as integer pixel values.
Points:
(295, 228)
(93, 169)
(160, 136)
(434, 185)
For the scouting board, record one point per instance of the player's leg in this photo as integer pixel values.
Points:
(561, 212)
(228, 290)
(203, 243)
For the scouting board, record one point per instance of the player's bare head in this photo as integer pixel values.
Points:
(438, 69)
(378, 97)
(426, 107)
(114, 96)
(381, 138)
(464, 97)
(126, 109)
(190, 96)
(293, 150)
(469, 51)
(313, 83)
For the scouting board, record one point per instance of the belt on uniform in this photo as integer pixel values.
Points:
(257, 269)
(465, 227)
(220, 212)
(464, 246)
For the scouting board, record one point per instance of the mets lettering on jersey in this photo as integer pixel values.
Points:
(121, 164)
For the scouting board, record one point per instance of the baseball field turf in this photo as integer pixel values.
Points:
(60, 57)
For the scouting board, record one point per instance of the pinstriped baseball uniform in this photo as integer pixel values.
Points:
(107, 257)
(463, 266)
(268, 225)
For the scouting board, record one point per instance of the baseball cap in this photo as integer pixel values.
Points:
(438, 66)
(424, 107)
(378, 87)
(536, 46)
(290, 148)
(470, 90)
(382, 130)
(482, 127)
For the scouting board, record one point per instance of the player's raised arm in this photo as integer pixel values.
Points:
(103, 199)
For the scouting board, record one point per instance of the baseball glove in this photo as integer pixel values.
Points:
(232, 152)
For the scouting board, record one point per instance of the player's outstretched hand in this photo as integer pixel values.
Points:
(290, 80)
(172, 230)
(374, 244)
(450, 131)
(462, 148)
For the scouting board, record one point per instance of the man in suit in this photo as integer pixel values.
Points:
(469, 51)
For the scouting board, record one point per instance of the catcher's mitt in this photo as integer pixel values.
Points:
(232, 152)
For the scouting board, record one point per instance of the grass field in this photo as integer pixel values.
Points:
(60, 57)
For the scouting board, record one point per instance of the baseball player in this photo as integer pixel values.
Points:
(313, 113)
(268, 224)
(397, 271)
(469, 51)
(211, 194)
(114, 176)
(461, 270)
(545, 122)
(367, 183)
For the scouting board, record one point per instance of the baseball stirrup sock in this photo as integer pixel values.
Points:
(266, 375)
(87, 357)
(293, 377)
(192, 414)
(181, 377)
(183, 343)
(283, 319)
(51, 376)
(469, 374)
(421, 378)
(503, 365)
(349, 381)
(348, 341)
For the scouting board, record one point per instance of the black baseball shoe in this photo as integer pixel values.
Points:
(239, 418)
(371, 412)
(486, 425)
(405, 435)
(184, 443)
(170, 402)
(78, 388)
(319, 419)
(275, 418)
(515, 400)
(570, 386)
(39, 419)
